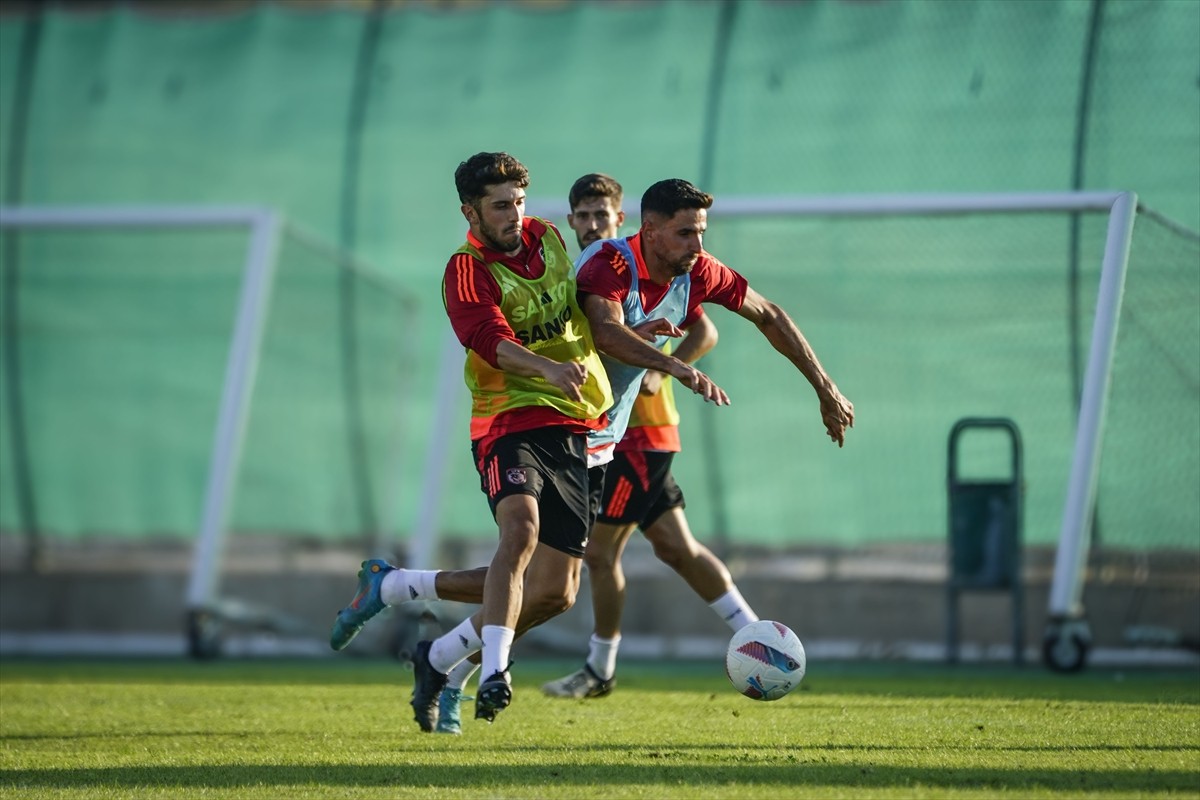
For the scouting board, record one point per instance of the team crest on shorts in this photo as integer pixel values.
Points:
(515, 476)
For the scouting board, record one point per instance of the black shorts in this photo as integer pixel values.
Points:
(549, 464)
(639, 487)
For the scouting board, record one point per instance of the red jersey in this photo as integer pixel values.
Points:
(712, 282)
(605, 274)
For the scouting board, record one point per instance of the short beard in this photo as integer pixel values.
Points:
(683, 266)
(492, 240)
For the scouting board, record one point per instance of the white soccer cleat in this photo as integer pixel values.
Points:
(580, 685)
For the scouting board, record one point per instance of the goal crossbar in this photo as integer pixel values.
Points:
(867, 205)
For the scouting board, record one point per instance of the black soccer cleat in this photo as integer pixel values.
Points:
(494, 696)
(427, 688)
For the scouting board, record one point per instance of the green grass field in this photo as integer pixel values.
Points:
(342, 728)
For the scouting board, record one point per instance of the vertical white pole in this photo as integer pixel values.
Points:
(1066, 590)
(449, 386)
(240, 371)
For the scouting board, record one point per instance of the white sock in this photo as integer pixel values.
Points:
(497, 647)
(732, 608)
(402, 585)
(457, 678)
(449, 649)
(602, 655)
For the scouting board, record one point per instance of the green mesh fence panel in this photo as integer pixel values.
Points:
(900, 95)
(138, 108)
(123, 337)
(252, 103)
(1141, 130)
(921, 321)
(1151, 469)
(124, 365)
(323, 446)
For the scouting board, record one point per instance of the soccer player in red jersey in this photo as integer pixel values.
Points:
(664, 272)
(639, 489)
(622, 281)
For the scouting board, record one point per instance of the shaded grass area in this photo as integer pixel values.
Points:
(342, 728)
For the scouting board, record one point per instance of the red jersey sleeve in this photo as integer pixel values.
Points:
(605, 274)
(694, 313)
(473, 305)
(713, 282)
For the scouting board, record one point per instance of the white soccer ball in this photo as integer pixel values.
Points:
(765, 660)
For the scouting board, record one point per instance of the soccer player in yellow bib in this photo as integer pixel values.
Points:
(639, 489)
(538, 390)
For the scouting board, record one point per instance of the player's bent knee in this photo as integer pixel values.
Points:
(551, 583)
(549, 601)
(517, 518)
(675, 551)
(603, 551)
(599, 560)
(519, 536)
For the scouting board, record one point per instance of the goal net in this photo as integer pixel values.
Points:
(173, 375)
(927, 310)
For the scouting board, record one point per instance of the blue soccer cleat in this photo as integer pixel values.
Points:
(449, 711)
(366, 604)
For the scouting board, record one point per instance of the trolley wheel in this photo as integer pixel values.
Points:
(1065, 649)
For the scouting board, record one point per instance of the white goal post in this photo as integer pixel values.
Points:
(263, 226)
(1067, 636)
(266, 229)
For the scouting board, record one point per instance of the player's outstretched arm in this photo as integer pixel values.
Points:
(699, 338)
(836, 411)
(568, 376)
(614, 338)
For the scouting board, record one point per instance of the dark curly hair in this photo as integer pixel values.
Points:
(477, 173)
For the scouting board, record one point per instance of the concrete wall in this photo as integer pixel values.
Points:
(884, 603)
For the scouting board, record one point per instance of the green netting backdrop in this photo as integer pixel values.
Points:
(351, 122)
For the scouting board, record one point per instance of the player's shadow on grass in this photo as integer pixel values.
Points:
(768, 776)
